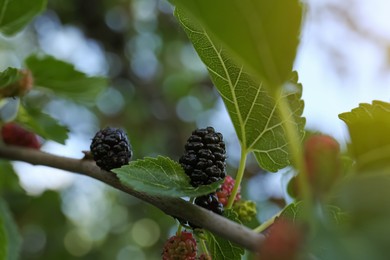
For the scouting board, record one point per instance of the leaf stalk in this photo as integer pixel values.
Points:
(240, 174)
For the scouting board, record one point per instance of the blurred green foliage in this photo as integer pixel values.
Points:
(158, 90)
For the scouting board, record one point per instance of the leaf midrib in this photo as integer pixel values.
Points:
(233, 93)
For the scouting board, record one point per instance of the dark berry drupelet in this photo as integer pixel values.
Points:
(204, 157)
(111, 148)
(210, 202)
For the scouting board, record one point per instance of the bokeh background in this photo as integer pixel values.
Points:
(159, 92)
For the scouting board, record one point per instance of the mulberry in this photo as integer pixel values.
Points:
(226, 189)
(13, 134)
(284, 240)
(180, 247)
(246, 210)
(204, 157)
(210, 202)
(111, 148)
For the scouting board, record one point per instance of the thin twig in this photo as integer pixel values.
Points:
(177, 207)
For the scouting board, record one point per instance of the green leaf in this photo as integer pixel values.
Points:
(336, 215)
(160, 176)
(221, 248)
(252, 109)
(64, 80)
(232, 215)
(9, 180)
(16, 14)
(293, 211)
(263, 35)
(10, 240)
(369, 128)
(42, 124)
(9, 76)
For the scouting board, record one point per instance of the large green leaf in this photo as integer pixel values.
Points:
(10, 240)
(64, 80)
(369, 128)
(9, 76)
(221, 248)
(42, 124)
(293, 211)
(160, 176)
(263, 35)
(330, 213)
(252, 109)
(15, 14)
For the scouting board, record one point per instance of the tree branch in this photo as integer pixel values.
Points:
(221, 226)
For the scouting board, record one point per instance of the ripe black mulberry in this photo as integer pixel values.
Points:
(210, 202)
(111, 148)
(204, 157)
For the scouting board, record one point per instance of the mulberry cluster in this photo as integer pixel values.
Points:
(204, 157)
(111, 149)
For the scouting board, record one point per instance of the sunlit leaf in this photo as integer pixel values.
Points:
(10, 240)
(263, 35)
(160, 176)
(16, 14)
(42, 124)
(252, 109)
(64, 80)
(221, 248)
(369, 128)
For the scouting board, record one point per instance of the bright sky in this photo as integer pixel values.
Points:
(327, 93)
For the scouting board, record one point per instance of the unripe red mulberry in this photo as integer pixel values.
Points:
(283, 241)
(226, 189)
(322, 159)
(14, 134)
(180, 247)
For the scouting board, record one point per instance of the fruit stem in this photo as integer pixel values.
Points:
(267, 223)
(295, 149)
(179, 228)
(204, 247)
(240, 174)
